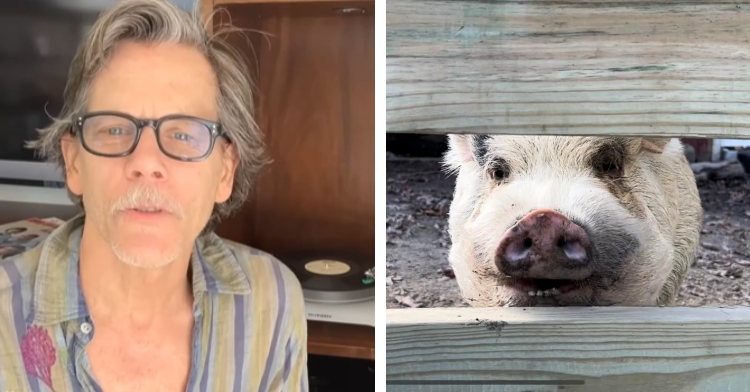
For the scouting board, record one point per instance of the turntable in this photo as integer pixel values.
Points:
(338, 287)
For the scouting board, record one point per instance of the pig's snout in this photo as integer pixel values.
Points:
(544, 245)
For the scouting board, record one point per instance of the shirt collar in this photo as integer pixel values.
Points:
(57, 287)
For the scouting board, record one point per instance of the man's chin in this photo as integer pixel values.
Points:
(146, 256)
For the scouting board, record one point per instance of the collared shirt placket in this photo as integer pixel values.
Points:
(82, 332)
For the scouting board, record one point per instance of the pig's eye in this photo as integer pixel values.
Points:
(609, 160)
(499, 174)
(608, 166)
(499, 171)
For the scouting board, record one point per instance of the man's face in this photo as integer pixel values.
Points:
(150, 82)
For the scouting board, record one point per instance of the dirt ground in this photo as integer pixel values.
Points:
(418, 274)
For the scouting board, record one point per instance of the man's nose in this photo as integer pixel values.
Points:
(147, 160)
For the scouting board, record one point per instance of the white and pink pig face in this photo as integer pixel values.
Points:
(554, 220)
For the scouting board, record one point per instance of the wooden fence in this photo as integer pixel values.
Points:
(667, 67)
(579, 349)
(663, 67)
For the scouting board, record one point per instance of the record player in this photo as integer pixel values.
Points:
(338, 287)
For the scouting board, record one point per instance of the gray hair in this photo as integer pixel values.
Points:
(159, 21)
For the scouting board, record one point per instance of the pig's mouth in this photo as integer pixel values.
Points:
(544, 287)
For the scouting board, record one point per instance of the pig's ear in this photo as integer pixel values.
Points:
(654, 144)
(459, 152)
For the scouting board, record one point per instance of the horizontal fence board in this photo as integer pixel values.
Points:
(608, 348)
(669, 68)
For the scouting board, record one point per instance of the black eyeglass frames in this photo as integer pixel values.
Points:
(115, 134)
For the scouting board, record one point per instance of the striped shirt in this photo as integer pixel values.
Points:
(250, 328)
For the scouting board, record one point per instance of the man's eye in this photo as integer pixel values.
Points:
(180, 136)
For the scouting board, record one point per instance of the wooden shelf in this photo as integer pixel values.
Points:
(220, 2)
(341, 340)
(261, 9)
(315, 72)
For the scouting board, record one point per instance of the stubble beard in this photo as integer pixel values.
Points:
(134, 255)
(144, 260)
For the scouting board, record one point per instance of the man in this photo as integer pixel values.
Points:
(157, 141)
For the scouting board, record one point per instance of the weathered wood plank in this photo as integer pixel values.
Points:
(674, 68)
(609, 348)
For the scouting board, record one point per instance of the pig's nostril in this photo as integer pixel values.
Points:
(574, 250)
(527, 243)
(561, 242)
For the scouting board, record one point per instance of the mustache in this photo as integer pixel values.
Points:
(146, 197)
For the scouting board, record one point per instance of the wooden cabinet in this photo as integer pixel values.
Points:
(314, 67)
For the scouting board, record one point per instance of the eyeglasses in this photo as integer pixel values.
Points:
(114, 134)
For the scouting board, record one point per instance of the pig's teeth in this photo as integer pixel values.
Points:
(544, 293)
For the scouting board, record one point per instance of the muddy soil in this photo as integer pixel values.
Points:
(418, 274)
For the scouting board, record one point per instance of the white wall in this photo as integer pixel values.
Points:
(720, 143)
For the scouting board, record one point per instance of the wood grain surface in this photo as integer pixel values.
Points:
(609, 349)
(316, 82)
(315, 73)
(221, 2)
(674, 68)
(341, 340)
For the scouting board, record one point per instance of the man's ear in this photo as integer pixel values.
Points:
(230, 161)
(654, 144)
(71, 152)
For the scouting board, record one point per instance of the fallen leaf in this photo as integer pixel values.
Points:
(448, 272)
(408, 301)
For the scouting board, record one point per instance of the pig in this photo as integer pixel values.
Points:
(571, 220)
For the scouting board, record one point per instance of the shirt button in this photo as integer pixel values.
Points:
(86, 328)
